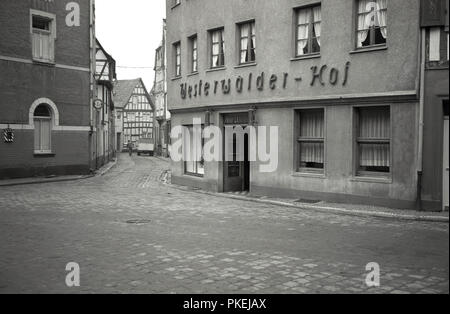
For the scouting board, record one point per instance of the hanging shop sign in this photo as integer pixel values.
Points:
(8, 135)
(98, 104)
(318, 76)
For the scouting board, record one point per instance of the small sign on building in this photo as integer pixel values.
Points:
(8, 135)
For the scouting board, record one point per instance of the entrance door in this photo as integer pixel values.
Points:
(119, 144)
(445, 200)
(236, 173)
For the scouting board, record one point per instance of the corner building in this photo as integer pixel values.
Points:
(340, 79)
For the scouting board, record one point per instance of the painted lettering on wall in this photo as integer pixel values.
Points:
(319, 76)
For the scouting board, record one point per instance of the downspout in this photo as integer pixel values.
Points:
(421, 119)
(91, 78)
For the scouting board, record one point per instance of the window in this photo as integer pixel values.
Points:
(43, 34)
(371, 23)
(194, 163)
(247, 43)
(308, 30)
(311, 140)
(42, 129)
(217, 48)
(373, 140)
(177, 50)
(437, 45)
(194, 53)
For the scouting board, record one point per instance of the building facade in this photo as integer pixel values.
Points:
(159, 95)
(435, 95)
(135, 112)
(339, 80)
(47, 57)
(104, 139)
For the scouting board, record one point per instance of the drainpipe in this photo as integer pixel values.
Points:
(91, 78)
(421, 119)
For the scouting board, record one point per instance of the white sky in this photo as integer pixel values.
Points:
(130, 31)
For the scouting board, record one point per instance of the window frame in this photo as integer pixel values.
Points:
(221, 48)
(177, 56)
(248, 49)
(193, 57)
(51, 32)
(311, 23)
(196, 163)
(298, 140)
(357, 172)
(371, 30)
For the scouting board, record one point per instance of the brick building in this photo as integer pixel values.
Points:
(339, 79)
(47, 56)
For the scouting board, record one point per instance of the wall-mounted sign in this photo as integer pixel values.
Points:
(8, 135)
(98, 104)
(318, 76)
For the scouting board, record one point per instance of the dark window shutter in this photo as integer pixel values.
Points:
(433, 13)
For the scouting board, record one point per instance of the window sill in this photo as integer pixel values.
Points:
(43, 154)
(307, 57)
(176, 78)
(372, 179)
(193, 74)
(245, 65)
(216, 69)
(44, 62)
(315, 175)
(369, 49)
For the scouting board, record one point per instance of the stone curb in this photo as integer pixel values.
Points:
(324, 209)
(44, 180)
(105, 169)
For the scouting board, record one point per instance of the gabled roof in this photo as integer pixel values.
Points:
(123, 90)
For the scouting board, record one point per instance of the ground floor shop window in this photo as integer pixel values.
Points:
(311, 147)
(194, 163)
(373, 140)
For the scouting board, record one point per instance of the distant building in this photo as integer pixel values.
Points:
(104, 116)
(46, 88)
(135, 112)
(340, 80)
(159, 94)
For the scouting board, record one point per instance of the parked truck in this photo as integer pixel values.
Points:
(145, 146)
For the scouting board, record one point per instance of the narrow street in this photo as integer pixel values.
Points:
(131, 233)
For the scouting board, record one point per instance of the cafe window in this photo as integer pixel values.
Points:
(311, 140)
(217, 43)
(194, 163)
(308, 30)
(373, 140)
(247, 42)
(371, 23)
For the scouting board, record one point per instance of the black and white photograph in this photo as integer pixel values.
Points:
(223, 153)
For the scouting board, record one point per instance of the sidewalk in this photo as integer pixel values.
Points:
(334, 208)
(50, 179)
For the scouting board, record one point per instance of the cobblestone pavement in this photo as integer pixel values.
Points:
(132, 234)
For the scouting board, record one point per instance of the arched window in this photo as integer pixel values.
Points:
(42, 129)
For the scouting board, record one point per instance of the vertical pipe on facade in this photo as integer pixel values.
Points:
(421, 118)
(91, 75)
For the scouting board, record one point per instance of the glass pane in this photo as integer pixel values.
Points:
(374, 157)
(311, 155)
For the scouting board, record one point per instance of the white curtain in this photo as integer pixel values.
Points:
(215, 48)
(303, 31)
(374, 124)
(312, 127)
(245, 32)
(363, 28)
(382, 16)
(317, 12)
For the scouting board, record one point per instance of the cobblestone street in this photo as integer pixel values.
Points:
(129, 232)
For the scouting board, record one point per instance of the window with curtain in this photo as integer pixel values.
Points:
(311, 140)
(43, 38)
(308, 30)
(194, 54)
(195, 165)
(374, 140)
(247, 42)
(177, 50)
(371, 23)
(42, 130)
(217, 48)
